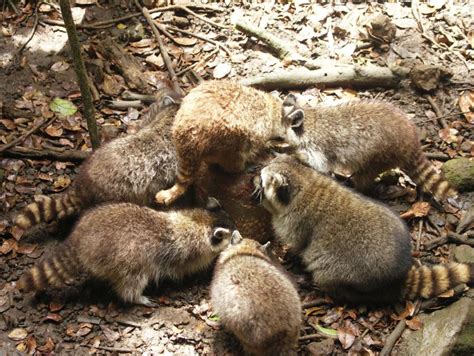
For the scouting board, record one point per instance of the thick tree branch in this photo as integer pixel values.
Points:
(80, 73)
(64, 156)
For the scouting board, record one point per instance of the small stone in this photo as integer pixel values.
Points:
(464, 254)
(427, 77)
(460, 173)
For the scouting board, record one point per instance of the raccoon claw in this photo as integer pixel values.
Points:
(147, 302)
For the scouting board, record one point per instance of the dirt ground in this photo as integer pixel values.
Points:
(87, 320)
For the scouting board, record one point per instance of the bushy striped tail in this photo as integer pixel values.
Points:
(56, 271)
(47, 209)
(429, 282)
(425, 175)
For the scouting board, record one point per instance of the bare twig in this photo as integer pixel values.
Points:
(65, 156)
(462, 239)
(392, 338)
(314, 336)
(201, 37)
(23, 137)
(33, 31)
(279, 47)
(336, 75)
(123, 104)
(163, 51)
(202, 18)
(129, 95)
(420, 232)
(437, 110)
(81, 73)
(437, 156)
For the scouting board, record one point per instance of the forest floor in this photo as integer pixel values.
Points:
(86, 320)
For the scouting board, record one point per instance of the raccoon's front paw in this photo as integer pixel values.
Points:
(165, 197)
(147, 302)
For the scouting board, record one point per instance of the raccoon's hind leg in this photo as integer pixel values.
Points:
(187, 171)
(131, 290)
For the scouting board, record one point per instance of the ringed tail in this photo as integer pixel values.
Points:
(425, 175)
(47, 209)
(58, 270)
(431, 281)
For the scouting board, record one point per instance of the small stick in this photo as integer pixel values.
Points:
(201, 37)
(392, 338)
(23, 137)
(436, 242)
(129, 95)
(315, 303)
(33, 31)
(420, 232)
(202, 18)
(437, 110)
(65, 156)
(123, 104)
(461, 239)
(437, 156)
(310, 337)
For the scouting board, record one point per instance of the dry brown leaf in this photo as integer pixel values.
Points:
(62, 182)
(45, 176)
(466, 104)
(409, 311)
(185, 41)
(54, 131)
(9, 124)
(53, 317)
(418, 210)
(345, 337)
(18, 334)
(71, 330)
(66, 142)
(448, 135)
(26, 249)
(110, 334)
(47, 347)
(7, 246)
(60, 66)
(84, 329)
(54, 306)
(415, 323)
(30, 345)
(17, 232)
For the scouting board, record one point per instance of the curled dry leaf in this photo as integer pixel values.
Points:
(55, 317)
(54, 306)
(448, 135)
(84, 329)
(418, 210)
(60, 66)
(7, 246)
(409, 311)
(415, 323)
(466, 104)
(54, 131)
(61, 183)
(48, 346)
(26, 249)
(110, 334)
(18, 334)
(345, 337)
(185, 41)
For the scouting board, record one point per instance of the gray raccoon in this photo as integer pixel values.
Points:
(356, 249)
(127, 169)
(128, 246)
(367, 138)
(255, 300)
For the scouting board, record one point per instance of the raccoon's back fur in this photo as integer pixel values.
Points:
(128, 169)
(255, 300)
(368, 138)
(127, 246)
(355, 248)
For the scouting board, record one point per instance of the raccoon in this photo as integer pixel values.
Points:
(225, 123)
(127, 246)
(368, 138)
(127, 169)
(255, 300)
(356, 249)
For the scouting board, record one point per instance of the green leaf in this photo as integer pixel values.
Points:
(63, 107)
(214, 317)
(326, 331)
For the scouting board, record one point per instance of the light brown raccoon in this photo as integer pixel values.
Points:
(127, 169)
(255, 300)
(368, 138)
(128, 246)
(225, 123)
(356, 249)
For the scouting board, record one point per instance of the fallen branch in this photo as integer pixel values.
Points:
(123, 104)
(202, 18)
(314, 336)
(81, 73)
(281, 49)
(437, 156)
(23, 137)
(64, 156)
(130, 95)
(336, 75)
(392, 338)
(451, 237)
(163, 51)
(315, 303)
(437, 110)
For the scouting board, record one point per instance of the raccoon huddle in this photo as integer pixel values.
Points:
(224, 124)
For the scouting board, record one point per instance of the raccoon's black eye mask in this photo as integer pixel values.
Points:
(283, 194)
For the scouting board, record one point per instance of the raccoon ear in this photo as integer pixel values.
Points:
(264, 247)
(290, 101)
(220, 234)
(213, 204)
(236, 237)
(296, 118)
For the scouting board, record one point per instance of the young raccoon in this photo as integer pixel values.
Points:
(368, 138)
(224, 123)
(128, 246)
(356, 249)
(127, 169)
(255, 300)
